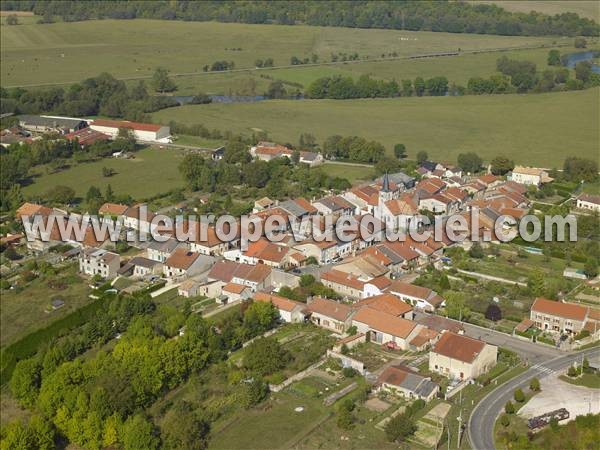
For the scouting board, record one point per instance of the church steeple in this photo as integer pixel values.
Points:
(386, 184)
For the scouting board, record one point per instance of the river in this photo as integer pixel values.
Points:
(571, 60)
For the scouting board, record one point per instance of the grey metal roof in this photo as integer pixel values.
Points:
(293, 208)
(426, 388)
(411, 381)
(167, 246)
(143, 262)
(396, 259)
(49, 121)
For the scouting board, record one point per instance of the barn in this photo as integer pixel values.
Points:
(143, 132)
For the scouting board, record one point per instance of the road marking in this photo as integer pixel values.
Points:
(543, 369)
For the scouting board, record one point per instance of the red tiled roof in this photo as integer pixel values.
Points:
(127, 124)
(384, 322)
(181, 259)
(234, 288)
(388, 303)
(330, 308)
(556, 308)
(30, 209)
(342, 278)
(87, 136)
(113, 209)
(458, 347)
(425, 335)
(285, 304)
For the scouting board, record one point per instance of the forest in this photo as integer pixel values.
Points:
(453, 17)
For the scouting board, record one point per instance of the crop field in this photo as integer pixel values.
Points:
(151, 172)
(539, 129)
(69, 52)
(585, 8)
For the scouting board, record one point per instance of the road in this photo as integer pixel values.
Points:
(528, 351)
(481, 422)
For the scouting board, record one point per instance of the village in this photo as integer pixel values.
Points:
(377, 299)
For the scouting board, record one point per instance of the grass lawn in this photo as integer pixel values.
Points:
(151, 172)
(69, 52)
(197, 141)
(25, 311)
(351, 173)
(590, 380)
(533, 129)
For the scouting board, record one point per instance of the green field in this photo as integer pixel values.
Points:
(351, 173)
(69, 52)
(24, 311)
(585, 8)
(533, 129)
(151, 172)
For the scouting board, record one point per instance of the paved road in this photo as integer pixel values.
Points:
(490, 277)
(481, 423)
(528, 351)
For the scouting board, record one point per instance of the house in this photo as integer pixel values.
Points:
(290, 311)
(424, 339)
(236, 292)
(262, 252)
(489, 181)
(32, 209)
(101, 262)
(389, 304)
(143, 267)
(160, 251)
(46, 124)
(205, 239)
(86, 136)
(183, 262)
(217, 154)
(190, 288)
(256, 277)
(402, 380)
(363, 266)
(262, 204)
(398, 214)
(112, 209)
(330, 314)
(589, 202)
(438, 204)
(421, 297)
(460, 357)
(559, 317)
(324, 251)
(400, 179)
(364, 198)
(343, 283)
(143, 132)
(335, 205)
(531, 176)
(441, 324)
(385, 328)
(138, 217)
(268, 151)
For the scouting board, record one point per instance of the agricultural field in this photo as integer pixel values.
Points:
(34, 54)
(585, 8)
(27, 309)
(353, 173)
(533, 129)
(151, 172)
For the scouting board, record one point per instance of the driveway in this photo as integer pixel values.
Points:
(578, 400)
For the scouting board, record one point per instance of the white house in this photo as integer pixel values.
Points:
(589, 202)
(460, 357)
(529, 176)
(421, 297)
(290, 311)
(184, 262)
(93, 261)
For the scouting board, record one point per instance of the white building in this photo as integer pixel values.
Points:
(93, 261)
(460, 357)
(589, 202)
(144, 132)
(529, 176)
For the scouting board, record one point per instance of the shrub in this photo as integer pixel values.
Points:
(534, 385)
(348, 372)
(505, 420)
(519, 396)
(399, 428)
(572, 372)
(509, 408)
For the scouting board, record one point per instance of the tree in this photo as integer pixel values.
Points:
(400, 151)
(265, 356)
(276, 90)
(501, 165)
(60, 194)
(184, 429)
(12, 19)
(476, 251)
(345, 418)
(580, 169)
(509, 408)
(554, 58)
(407, 88)
(534, 385)
(139, 434)
(536, 283)
(93, 195)
(591, 267)
(456, 305)
(580, 42)
(25, 381)
(161, 81)
(470, 162)
(109, 195)
(254, 392)
(493, 313)
(387, 164)
(108, 172)
(519, 396)
(422, 156)
(572, 372)
(399, 428)
(583, 71)
(419, 86)
(505, 420)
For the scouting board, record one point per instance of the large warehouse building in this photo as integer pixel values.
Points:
(145, 132)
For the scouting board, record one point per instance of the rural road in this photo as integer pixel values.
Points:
(480, 427)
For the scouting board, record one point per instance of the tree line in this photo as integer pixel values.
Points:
(102, 95)
(453, 17)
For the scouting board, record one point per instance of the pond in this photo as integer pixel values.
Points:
(570, 60)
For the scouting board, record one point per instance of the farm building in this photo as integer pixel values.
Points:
(146, 132)
(45, 124)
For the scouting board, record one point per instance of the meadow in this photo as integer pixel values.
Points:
(151, 172)
(585, 8)
(540, 129)
(34, 54)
